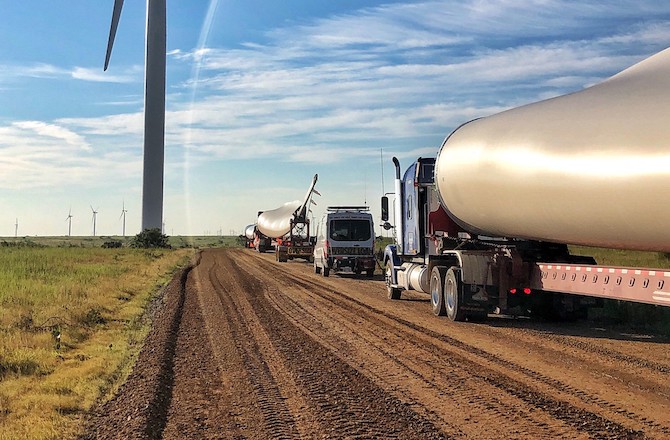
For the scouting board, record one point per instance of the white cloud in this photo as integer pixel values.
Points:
(55, 132)
(98, 75)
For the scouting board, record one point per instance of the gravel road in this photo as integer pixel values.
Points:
(243, 347)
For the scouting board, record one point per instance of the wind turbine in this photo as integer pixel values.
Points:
(69, 226)
(95, 215)
(154, 107)
(123, 214)
(16, 228)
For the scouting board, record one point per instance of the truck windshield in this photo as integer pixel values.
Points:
(350, 230)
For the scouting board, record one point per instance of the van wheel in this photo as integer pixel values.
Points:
(436, 290)
(453, 294)
(391, 292)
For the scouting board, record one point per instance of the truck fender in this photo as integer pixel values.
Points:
(391, 254)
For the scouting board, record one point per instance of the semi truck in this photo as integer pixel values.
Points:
(255, 239)
(289, 226)
(484, 227)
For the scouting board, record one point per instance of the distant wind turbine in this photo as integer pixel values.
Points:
(69, 220)
(123, 214)
(16, 228)
(154, 107)
(95, 215)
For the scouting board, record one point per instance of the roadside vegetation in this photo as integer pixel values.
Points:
(71, 325)
(175, 241)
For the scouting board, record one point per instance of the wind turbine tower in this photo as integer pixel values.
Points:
(154, 107)
(123, 214)
(69, 220)
(16, 228)
(95, 216)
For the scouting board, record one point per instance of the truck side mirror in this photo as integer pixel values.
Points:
(385, 208)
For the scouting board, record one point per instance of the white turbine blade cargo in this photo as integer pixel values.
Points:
(590, 168)
(154, 107)
(277, 222)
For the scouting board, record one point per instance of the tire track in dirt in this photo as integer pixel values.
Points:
(597, 425)
(139, 409)
(277, 419)
(348, 404)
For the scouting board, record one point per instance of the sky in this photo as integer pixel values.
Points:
(263, 95)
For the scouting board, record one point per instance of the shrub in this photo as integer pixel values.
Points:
(150, 238)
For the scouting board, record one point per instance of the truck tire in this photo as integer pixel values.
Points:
(326, 271)
(436, 290)
(317, 269)
(453, 294)
(391, 292)
(370, 273)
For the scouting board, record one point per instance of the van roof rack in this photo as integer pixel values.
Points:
(348, 208)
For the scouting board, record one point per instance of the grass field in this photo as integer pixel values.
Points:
(177, 241)
(71, 324)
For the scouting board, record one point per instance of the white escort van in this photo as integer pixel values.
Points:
(345, 239)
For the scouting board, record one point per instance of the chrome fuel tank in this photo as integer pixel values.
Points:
(590, 168)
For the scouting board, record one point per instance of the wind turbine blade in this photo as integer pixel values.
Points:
(116, 14)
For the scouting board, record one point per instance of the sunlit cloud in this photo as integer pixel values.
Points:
(97, 75)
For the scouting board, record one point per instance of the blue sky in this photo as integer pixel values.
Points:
(262, 95)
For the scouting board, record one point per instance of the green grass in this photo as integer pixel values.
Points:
(626, 258)
(177, 241)
(70, 328)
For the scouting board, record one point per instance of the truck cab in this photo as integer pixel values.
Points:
(345, 241)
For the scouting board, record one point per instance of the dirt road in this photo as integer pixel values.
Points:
(247, 348)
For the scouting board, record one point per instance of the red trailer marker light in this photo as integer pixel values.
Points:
(512, 291)
(526, 290)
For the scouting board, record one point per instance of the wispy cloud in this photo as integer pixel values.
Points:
(97, 75)
(399, 76)
(34, 154)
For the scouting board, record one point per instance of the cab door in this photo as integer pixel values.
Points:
(411, 238)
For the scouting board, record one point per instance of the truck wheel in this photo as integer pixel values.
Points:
(436, 291)
(317, 269)
(391, 292)
(326, 271)
(453, 294)
(370, 273)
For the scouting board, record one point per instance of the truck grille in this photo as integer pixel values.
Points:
(350, 251)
